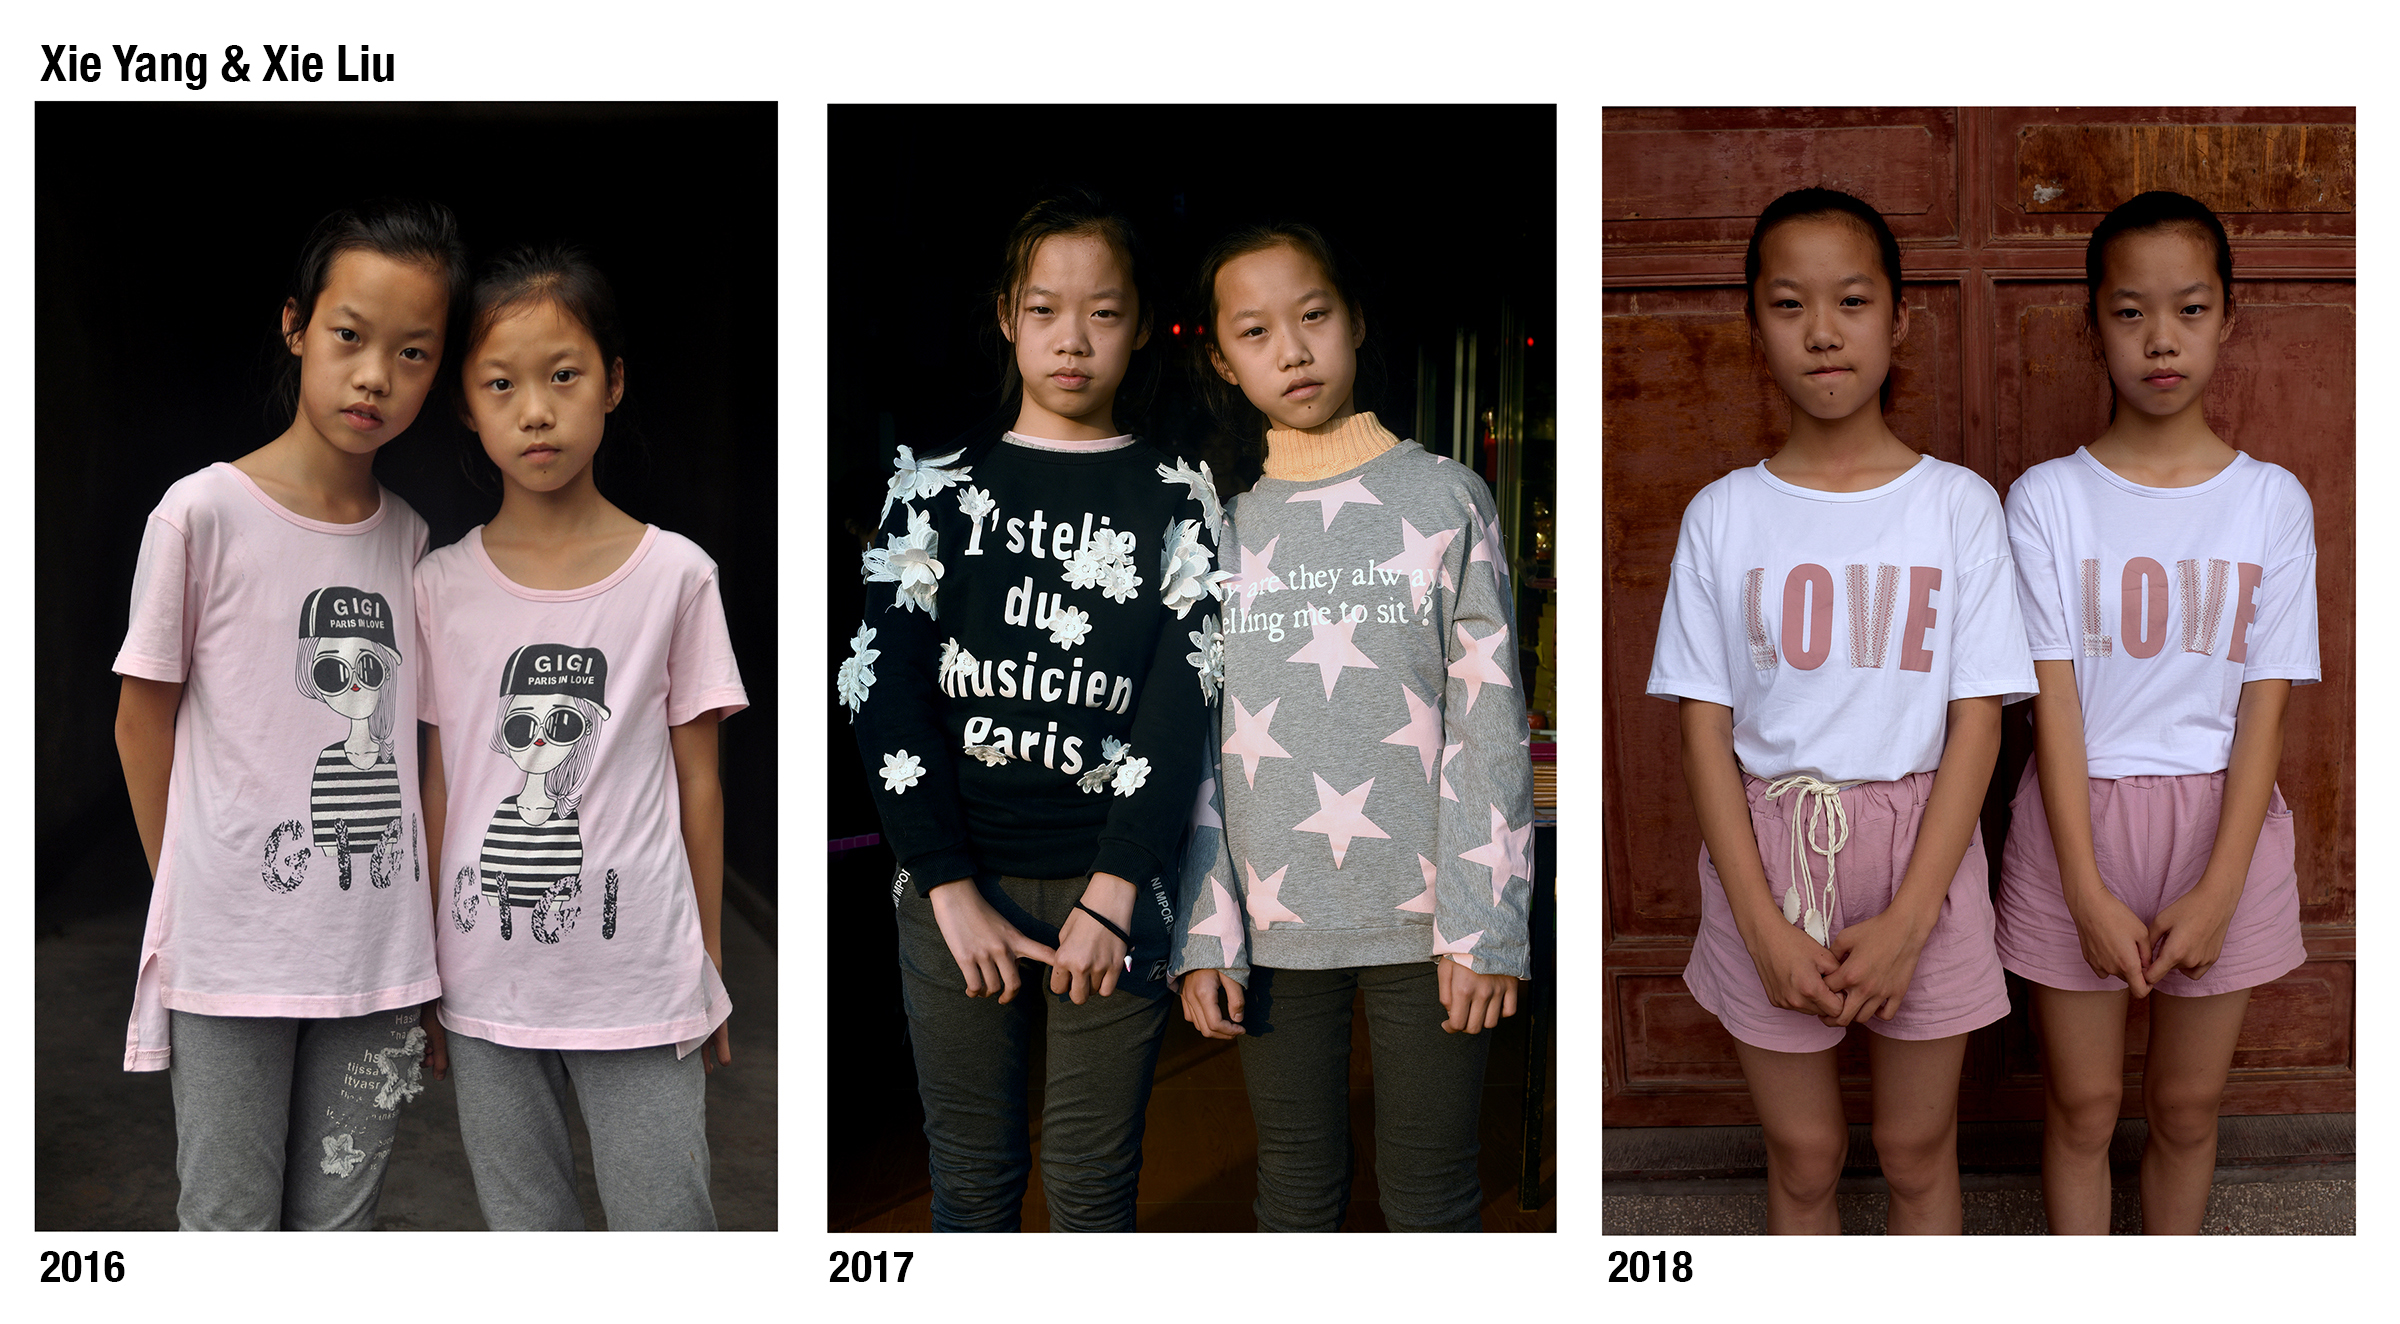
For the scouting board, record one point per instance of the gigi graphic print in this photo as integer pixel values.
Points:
(553, 700)
(348, 660)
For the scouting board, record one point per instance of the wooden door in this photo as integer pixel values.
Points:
(1992, 208)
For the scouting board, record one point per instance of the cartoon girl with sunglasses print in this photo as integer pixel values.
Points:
(348, 660)
(552, 701)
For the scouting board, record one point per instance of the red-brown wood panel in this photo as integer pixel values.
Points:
(1992, 208)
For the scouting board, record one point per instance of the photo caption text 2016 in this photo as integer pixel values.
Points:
(860, 1266)
(1636, 1266)
(89, 1266)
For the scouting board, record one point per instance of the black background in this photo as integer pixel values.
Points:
(165, 239)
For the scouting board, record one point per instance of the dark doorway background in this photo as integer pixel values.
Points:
(1446, 217)
(165, 237)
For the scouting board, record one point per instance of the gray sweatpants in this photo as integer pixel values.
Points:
(284, 1122)
(1428, 1088)
(646, 1110)
(974, 1056)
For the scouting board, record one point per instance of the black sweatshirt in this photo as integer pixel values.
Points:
(987, 724)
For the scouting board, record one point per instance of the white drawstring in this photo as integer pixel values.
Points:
(1801, 904)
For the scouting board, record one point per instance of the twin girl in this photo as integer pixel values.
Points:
(1844, 622)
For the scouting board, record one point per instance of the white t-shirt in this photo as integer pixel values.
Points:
(566, 915)
(290, 881)
(2166, 599)
(1838, 626)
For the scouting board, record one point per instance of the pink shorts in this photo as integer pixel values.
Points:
(1957, 986)
(2151, 837)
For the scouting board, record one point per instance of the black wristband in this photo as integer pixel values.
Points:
(1108, 924)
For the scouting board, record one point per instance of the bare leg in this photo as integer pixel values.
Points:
(1799, 1103)
(2083, 1084)
(2191, 1050)
(1916, 1130)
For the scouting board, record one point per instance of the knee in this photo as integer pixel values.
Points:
(1806, 1164)
(1918, 1155)
(2183, 1118)
(2084, 1118)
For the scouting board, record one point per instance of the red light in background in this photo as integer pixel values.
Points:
(1529, 342)
(1175, 330)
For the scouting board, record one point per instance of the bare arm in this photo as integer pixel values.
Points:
(433, 799)
(2115, 943)
(1969, 749)
(2249, 781)
(146, 746)
(702, 795)
(1791, 965)
(1879, 955)
(2190, 933)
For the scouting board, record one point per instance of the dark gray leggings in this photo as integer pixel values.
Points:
(1428, 1086)
(287, 1123)
(972, 1065)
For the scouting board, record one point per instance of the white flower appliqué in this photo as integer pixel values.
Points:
(1069, 626)
(1184, 573)
(1131, 774)
(1204, 490)
(901, 771)
(909, 562)
(1105, 562)
(913, 478)
(857, 674)
(975, 503)
(991, 755)
(1208, 656)
(1112, 754)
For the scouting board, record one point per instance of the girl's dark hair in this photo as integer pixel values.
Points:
(1073, 212)
(402, 230)
(565, 277)
(1233, 410)
(1803, 204)
(2159, 209)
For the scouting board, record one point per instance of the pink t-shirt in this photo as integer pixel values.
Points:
(566, 914)
(290, 881)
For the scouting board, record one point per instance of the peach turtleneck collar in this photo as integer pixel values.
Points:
(1303, 457)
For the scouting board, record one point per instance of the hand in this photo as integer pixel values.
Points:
(986, 947)
(2115, 945)
(1475, 1002)
(1793, 967)
(717, 1050)
(1201, 989)
(1879, 957)
(437, 1041)
(2190, 934)
(1090, 958)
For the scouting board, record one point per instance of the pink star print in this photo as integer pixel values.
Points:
(1223, 924)
(1420, 559)
(1250, 739)
(1449, 752)
(1423, 732)
(1422, 902)
(1330, 500)
(1204, 810)
(1478, 666)
(1341, 817)
(1256, 576)
(1506, 853)
(1330, 648)
(1265, 898)
(1456, 951)
(1488, 548)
